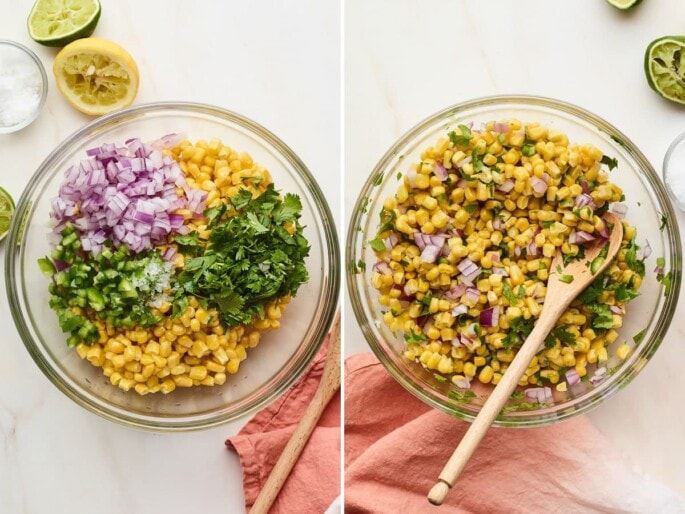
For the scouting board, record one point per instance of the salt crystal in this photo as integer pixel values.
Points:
(21, 87)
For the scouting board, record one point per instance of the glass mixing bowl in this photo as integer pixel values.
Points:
(271, 367)
(649, 209)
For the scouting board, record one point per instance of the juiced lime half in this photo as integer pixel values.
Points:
(6, 212)
(624, 4)
(665, 67)
(59, 22)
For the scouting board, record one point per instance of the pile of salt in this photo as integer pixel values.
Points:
(21, 88)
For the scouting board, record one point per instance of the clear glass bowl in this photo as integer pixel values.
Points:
(647, 201)
(271, 367)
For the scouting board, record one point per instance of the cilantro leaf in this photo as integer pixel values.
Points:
(463, 139)
(603, 317)
(611, 162)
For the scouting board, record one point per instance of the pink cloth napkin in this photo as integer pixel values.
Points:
(396, 446)
(315, 480)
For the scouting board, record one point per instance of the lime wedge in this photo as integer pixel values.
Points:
(6, 212)
(665, 67)
(624, 4)
(59, 22)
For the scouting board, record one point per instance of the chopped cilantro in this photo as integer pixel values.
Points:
(523, 406)
(378, 179)
(462, 139)
(250, 258)
(666, 282)
(565, 278)
(635, 264)
(476, 161)
(387, 219)
(414, 338)
(470, 207)
(440, 378)
(465, 396)
(639, 336)
(517, 395)
(623, 293)
(399, 175)
(664, 221)
(611, 162)
(593, 291)
(509, 294)
(603, 317)
(618, 140)
(361, 265)
(521, 291)
(519, 329)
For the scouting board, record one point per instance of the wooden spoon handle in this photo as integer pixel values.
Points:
(330, 383)
(492, 407)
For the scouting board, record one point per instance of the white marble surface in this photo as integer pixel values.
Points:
(275, 62)
(407, 59)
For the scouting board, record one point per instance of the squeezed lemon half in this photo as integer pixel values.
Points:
(96, 76)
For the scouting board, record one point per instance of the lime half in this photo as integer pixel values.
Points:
(624, 4)
(6, 212)
(665, 67)
(59, 22)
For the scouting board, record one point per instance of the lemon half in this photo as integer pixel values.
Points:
(96, 76)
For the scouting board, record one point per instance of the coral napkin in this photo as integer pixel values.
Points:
(395, 447)
(314, 482)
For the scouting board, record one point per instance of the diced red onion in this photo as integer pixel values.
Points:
(472, 295)
(430, 253)
(584, 199)
(500, 271)
(440, 171)
(467, 266)
(572, 376)
(501, 128)
(517, 251)
(122, 194)
(616, 309)
(456, 292)
(645, 251)
(497, 223)
(604, 231)
(418, 239)
(458, 310)
(541, 394)
(585, 186)
(532, 249)
(506, 186)
(461, 183)
(467, 342)
(598, 375)
(382, 267)
(580, 237)
(538, 185)
(391, 241)
(619, 210)
(489, 317)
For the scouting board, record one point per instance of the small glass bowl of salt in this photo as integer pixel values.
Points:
(23, 86)
(674, 171)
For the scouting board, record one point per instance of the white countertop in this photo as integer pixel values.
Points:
(407, 59)
(274, 62)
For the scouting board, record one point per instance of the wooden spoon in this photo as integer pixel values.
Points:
(564, 285)
(329, 385)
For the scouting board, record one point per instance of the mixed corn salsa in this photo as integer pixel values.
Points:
(464, 251)
(170, 260)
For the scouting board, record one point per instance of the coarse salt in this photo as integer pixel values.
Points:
(674, 171)
(21, 87)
